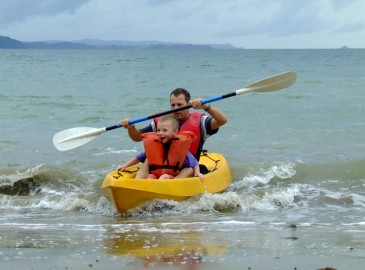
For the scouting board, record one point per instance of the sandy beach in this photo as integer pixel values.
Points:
(179, 245)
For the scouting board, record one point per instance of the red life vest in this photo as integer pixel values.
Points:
(191, 124)
(170, 162)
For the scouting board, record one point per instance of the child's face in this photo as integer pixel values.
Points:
(165, 131)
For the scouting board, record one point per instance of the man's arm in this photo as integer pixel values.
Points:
(134, 133)
(218, 117)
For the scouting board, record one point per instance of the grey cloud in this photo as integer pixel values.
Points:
(18, 10)
(289, 18)
(296, 17)
(351, 28)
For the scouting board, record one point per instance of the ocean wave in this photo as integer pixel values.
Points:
(110, 151)
(262, 175)
(264, 187)
(16, 182)
(39, 179)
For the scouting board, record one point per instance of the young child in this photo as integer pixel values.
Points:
(167, 152)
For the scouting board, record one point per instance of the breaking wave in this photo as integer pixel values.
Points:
(259, 186)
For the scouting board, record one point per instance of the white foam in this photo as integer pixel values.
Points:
(12, 178)
(263, 177)
(358, 199)
(113, 151)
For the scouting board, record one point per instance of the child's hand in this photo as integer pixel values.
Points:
(121, 168)
(166, 176)
(200, 175)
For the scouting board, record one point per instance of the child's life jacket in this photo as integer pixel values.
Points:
(167, 158)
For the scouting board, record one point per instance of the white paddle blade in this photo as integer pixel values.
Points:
(75, 137)
(273, 83)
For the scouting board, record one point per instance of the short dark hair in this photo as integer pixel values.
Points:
(181, 91)
(171, 119)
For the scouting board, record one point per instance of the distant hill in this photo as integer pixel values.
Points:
(9, 43)
(56, 45)
(149, 44)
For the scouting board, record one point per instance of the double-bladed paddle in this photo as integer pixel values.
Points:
(75, 137)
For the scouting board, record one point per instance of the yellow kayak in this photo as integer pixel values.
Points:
(126, 192)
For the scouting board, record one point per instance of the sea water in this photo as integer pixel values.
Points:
(297, 158)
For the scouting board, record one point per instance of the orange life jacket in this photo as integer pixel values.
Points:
(170, 162)
(191, 124)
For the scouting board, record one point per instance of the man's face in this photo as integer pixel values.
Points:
(177, 102)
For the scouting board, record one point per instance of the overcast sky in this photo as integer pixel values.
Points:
(243, 23)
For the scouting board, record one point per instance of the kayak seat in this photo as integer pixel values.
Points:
(203, 169)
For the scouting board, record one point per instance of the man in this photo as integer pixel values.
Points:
(202, 125)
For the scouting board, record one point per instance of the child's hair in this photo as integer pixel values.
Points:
(171, 119)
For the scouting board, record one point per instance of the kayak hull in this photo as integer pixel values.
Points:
(126, 192)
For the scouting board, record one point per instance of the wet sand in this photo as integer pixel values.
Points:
(42, 260)
(261, 249)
